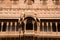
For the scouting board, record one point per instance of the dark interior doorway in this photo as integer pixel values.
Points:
(29, 24)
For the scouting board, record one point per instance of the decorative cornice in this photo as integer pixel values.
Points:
(56, 9)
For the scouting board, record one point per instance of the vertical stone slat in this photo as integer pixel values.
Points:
(19, 22)
(7, 26)
(43, 26)
(56, 27)
(11, 26)
(38, 27)
(24, 25)
(51, 26)
(2, 23)
(15, 26)
(47, 26)
(20, 27)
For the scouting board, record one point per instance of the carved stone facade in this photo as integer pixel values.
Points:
(30, 19)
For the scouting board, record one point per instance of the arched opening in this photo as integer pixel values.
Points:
(29, 23)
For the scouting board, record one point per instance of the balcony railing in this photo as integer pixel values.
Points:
(47, 28)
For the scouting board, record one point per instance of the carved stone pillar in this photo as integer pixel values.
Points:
(24, 25)
(38, 27)
(15, 26)
(56, 26)
(47, 26)
(11, 26)
(19, 25)
(43, 26)
(7, 26)
(51, 26)
(2, 23)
